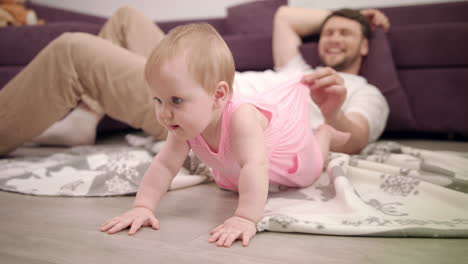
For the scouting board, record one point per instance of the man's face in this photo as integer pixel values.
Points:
(342, 44)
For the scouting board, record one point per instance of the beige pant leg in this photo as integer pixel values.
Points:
(70, 66)
(132, 30)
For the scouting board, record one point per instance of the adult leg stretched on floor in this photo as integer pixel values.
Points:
(80, 66)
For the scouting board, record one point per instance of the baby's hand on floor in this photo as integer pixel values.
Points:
(232, 229)
(136, 218)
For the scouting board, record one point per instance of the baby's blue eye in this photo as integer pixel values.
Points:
(176, 100)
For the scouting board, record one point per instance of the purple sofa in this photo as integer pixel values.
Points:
(421, 65)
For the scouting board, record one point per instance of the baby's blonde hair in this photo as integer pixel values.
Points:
(208, 57)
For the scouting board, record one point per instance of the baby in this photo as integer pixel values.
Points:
(250, 143)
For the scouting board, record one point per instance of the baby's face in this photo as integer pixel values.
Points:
(182, 106)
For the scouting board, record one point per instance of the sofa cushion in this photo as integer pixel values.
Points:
(379, 69)
(252, 17)
(251, 52)
(32, 39)
(438, 97)
(7, 73)
(433, 45)
(435, 13)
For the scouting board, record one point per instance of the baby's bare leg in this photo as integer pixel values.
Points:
(328, 137)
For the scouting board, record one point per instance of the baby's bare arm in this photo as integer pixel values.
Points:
(249, 146)
(160, 173)
(154, 185)
(247, 129)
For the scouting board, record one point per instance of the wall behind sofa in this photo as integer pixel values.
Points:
(334, 4)
(158, 10)
(163, 10)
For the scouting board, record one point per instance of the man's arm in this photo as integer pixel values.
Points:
(327, 90)
(289, 25)
(354, 123)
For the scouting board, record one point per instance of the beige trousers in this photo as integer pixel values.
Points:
(106, 72)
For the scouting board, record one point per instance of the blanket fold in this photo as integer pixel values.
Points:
(389, 190)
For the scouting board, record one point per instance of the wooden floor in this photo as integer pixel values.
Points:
(66, 230)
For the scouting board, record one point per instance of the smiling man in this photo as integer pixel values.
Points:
(339, 96)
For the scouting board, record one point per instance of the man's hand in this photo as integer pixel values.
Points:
(376, 19)
(135, 218)
(327, 90)
(232, 229)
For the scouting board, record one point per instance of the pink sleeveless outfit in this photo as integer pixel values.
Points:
(295, 159)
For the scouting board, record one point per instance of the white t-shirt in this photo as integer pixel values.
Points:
(361, 97)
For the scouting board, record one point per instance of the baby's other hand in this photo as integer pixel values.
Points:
(136, 218)
(232, 229)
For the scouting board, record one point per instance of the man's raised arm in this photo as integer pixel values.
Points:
(289, 25)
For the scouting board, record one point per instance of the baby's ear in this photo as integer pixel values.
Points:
(221, 93)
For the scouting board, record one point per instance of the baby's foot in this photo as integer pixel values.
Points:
(337, 138)
(77, 128)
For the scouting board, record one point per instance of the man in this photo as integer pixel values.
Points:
(107, 75)
(345, 101)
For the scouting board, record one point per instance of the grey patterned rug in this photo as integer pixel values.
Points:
(388, 190)
(100, 170)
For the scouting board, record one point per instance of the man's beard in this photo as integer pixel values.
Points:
(342, 65)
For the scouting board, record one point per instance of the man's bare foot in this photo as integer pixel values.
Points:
(337, 138)
(77, 128)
